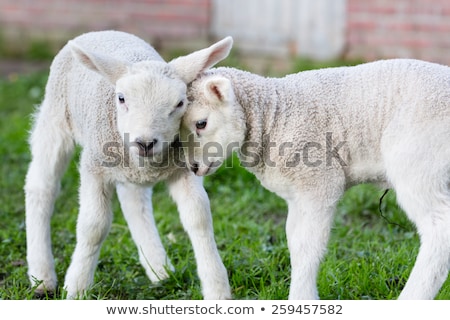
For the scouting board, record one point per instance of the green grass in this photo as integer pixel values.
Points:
(369, 256)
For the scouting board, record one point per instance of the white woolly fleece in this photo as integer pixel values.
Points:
(309, 136)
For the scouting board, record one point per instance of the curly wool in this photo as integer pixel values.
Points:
(359, 105)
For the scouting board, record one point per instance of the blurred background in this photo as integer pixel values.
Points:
(275, 31)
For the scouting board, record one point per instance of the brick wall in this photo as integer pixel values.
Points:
(399, 28)
(374, 29)
(59, 20)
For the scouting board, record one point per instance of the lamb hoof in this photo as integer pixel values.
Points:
(42, 294)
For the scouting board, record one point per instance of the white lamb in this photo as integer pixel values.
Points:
(111, 93)
(309, 136)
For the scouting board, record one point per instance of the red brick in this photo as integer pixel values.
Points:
(152, 18)
(385, 28)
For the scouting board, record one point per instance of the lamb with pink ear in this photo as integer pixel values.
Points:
(111, 93)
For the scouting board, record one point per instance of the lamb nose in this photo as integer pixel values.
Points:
(145, 147)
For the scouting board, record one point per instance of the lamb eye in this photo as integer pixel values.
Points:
(180, 104)
(201, 124)
(121, 98)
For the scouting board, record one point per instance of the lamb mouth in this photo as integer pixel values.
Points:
(199, 171)
(203, 172)
(206, 170)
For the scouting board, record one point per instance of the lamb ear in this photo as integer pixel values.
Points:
(112, 69)
(218, 90)
(188, 67)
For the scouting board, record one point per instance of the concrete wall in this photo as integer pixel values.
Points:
(285, 27)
